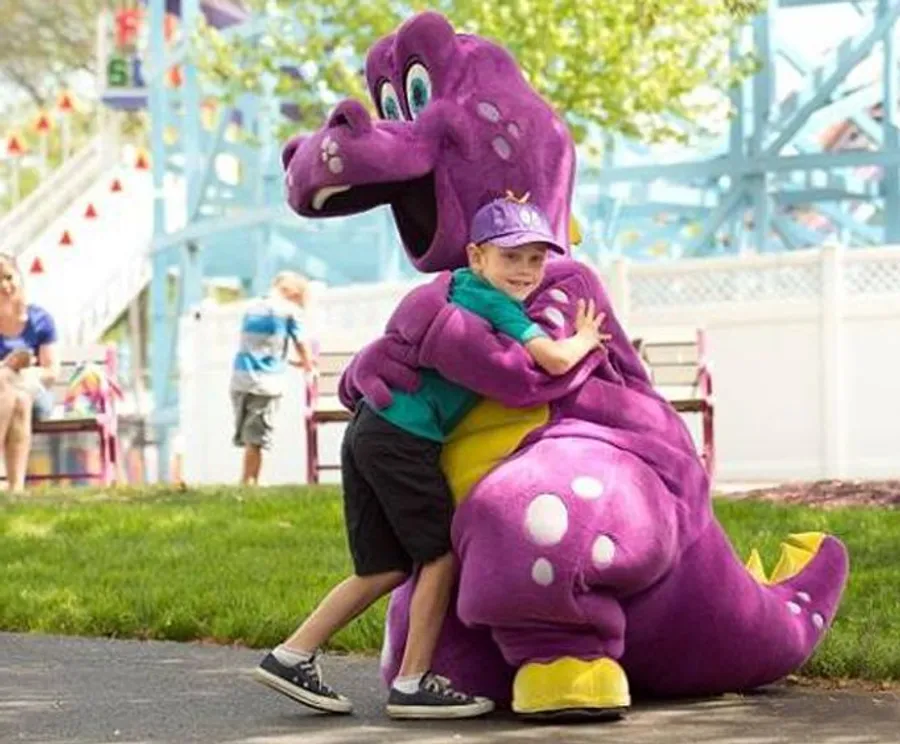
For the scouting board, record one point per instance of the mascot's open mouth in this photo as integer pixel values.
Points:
(413, 203)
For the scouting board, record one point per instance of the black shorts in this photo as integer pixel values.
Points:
(397, 502)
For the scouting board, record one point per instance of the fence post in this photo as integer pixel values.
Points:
(834, 423)
(620, 290)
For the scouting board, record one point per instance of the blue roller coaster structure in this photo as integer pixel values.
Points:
(810, 153)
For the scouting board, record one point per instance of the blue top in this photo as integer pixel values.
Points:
(268, 323)
(39, 330)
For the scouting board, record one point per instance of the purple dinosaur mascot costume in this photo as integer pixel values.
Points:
(591, 564)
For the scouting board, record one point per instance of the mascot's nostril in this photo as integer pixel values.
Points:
(340, 120)
(287, 154)
(351, 115)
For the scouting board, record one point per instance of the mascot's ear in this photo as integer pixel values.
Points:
(574, 231)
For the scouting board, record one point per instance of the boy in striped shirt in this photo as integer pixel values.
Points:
(271, 324)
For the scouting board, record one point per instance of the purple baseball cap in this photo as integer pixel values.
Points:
(509, 223)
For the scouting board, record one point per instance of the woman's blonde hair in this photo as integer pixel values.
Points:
(11, 260)
(8, 258)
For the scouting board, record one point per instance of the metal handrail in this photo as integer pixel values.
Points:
(116, 290)
(20, 227)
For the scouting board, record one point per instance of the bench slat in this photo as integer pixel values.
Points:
(681, 374)
(690, 405)
(671, 353)
(65, 425)
(328, 386)
(331, 363)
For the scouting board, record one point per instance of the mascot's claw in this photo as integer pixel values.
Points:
(569, 687)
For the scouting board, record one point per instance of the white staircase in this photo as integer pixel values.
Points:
(87, 284)
(28, 219)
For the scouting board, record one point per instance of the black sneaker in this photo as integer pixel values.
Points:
(303, 683)
(436, 698)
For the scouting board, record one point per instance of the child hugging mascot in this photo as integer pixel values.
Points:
(592, 567)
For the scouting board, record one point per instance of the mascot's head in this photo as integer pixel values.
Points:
(458, 124)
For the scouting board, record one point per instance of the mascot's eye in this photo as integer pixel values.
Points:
(389, 102)
(418, 88)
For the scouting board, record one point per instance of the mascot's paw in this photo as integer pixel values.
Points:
(569, 687)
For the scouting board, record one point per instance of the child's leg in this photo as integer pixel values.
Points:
(237, 406)
(256, 418)
(430, 599)
(348, 599)
(252, 464)
(416, 499)
(381, 565)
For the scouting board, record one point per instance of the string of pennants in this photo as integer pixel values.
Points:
(17, 146)
(43, 124)
(67, 239)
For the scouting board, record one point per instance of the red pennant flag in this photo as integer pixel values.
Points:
(90, 213)
(116, 186)
(65, 103)
(14, 146)
(37, 266)
(143, 162)
(175, 77)
(66, 238)
(43, 124)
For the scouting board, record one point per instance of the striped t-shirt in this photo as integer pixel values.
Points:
(268, 325)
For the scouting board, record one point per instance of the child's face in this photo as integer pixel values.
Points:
(515, 271)
(294, 294)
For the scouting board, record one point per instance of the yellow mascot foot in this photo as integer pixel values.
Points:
(571, 687)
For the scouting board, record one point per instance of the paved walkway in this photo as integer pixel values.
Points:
(80, 691)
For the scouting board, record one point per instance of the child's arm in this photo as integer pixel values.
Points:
(301, 345)
(558, 357)
(304, 351)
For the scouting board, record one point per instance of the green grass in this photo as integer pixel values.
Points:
(245, 566)
(216, 564)
(864, 642)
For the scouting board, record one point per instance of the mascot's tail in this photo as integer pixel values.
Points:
(809, 579)
(729, 627)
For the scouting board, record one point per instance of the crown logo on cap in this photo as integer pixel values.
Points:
(510, 196)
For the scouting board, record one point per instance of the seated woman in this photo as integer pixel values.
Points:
(28, 367)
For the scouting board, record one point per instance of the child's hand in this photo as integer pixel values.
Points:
(588, 322)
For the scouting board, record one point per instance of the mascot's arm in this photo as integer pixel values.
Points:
(426, 330)
(392, 360)
(388, 362)
(464, 349)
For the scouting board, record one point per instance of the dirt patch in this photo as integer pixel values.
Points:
(832, 494)
(841, 683)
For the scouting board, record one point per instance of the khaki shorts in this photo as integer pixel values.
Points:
(253, 418)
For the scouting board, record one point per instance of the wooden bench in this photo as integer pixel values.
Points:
(677, 367)
(103, 424)
(676, 362)
(324, 407)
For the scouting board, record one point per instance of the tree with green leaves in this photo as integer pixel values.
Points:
(43, 43)
(632, 67)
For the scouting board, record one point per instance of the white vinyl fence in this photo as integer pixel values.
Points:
(804, 349)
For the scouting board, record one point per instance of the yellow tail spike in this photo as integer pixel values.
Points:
(756, 568)
(809, 540)
(790, 562)
(575, 236)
